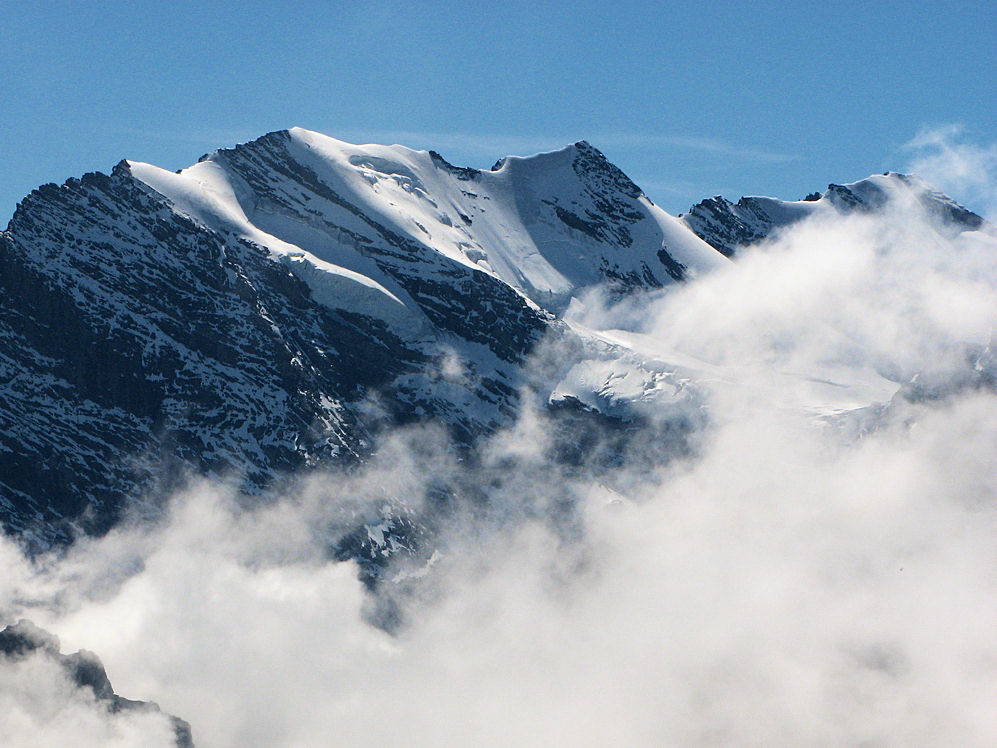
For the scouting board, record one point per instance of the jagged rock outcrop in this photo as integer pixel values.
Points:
(83, 669)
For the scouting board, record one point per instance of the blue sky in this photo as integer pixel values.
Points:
(690, 99)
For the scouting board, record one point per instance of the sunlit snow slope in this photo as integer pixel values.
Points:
(547, 225)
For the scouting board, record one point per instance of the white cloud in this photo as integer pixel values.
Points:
(947, 158)
(40, 706)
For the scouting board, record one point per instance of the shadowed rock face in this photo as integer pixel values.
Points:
(726, 225)
(135, 343)
(133, 340)
(84, 669)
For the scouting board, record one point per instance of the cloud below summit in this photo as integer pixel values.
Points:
(797, 579)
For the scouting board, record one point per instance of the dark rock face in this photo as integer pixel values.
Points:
(672, 266)
(84, 669)
(132, 338)
(611, 191)
(726, 225)
(461, 172)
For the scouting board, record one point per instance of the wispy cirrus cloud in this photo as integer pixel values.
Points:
(220, 137)
(482, 146)
(497, 144)
(713, 146)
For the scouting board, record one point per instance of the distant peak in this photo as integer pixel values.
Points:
(269, 139)
(591, 162)
(461, 172)
(122, 169)
(586, 147)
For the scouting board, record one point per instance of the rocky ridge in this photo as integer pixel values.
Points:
(23, 640)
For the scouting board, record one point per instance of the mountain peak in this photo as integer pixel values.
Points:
(543, 159)
(82, 670)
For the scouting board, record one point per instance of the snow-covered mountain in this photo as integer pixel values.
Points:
(275, 306)
(270, 307)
